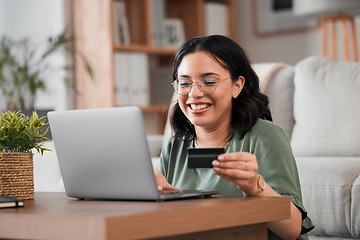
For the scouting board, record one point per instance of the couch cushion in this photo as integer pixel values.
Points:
(280, 91)
(326, 184)
(326, 108)
(355, 208)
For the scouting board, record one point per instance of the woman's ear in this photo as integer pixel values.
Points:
(238, 86)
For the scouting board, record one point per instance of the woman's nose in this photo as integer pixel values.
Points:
(195, 91)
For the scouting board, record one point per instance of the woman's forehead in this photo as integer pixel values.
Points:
(200, 63)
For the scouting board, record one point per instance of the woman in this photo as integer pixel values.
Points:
(220, 105)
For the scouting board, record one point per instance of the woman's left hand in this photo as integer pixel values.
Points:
(241, 169)
(238, 167)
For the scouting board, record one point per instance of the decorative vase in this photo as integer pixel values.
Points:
(17, 175)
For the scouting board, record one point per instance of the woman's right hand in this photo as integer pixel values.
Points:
(161, 182)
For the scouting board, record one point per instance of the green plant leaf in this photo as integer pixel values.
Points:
(20, 133)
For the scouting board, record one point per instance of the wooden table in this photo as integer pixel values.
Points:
(55, 216)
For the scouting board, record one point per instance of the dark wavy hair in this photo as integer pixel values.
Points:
(250, 104)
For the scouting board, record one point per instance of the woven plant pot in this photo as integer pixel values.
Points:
(17, 175)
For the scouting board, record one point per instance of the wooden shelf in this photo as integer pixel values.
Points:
(155, 108)
(94, 38)
(146, 49)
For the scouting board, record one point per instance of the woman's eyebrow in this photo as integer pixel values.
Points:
(183, 76)
(209, 74)
(201, 75)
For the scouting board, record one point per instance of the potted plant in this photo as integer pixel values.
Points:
(19, 134)
(25, 69)
(24, 66)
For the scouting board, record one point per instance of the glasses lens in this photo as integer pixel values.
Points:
(207, 85)
(182, 86)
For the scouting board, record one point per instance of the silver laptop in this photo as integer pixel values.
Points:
(104, 154)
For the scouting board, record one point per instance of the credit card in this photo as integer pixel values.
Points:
(203, 157)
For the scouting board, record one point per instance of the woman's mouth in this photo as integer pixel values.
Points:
(199, 107)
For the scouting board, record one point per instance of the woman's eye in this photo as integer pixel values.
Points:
(184, 83)
(208, 82)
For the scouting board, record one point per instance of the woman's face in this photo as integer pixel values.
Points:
(213, 110)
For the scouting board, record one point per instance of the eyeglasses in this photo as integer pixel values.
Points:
(207, 85)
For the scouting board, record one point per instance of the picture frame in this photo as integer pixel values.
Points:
(275, 16)
(174, 35)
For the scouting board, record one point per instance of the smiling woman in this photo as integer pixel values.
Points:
(219, 105)
(206, 108)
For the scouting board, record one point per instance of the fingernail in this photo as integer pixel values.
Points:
(215, 163)
(220, 157)
(216, 169)
(159, 188)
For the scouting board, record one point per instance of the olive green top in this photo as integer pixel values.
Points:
(274, 156)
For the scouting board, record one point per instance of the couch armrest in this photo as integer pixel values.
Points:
(155, 144)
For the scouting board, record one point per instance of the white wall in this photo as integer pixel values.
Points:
(38, 19)
(1, 17)
(283, 47)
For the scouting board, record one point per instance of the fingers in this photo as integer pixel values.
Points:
(240, 165)
(236, 160)
(167, 187)
(234, 173)
(161, 182)
(237, 156)
(164, 185)
(237, 167)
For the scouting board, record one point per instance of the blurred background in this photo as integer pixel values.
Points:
(120, 55)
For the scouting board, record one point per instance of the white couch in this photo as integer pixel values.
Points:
(316, 102)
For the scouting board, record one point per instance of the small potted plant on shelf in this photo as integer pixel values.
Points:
(19, 134)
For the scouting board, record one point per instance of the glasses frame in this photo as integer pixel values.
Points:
(197, 83)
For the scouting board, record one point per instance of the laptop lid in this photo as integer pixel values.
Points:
(104, 154)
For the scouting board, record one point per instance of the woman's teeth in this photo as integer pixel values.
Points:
(199, 106)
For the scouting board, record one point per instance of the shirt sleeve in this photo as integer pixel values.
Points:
(278, 167)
